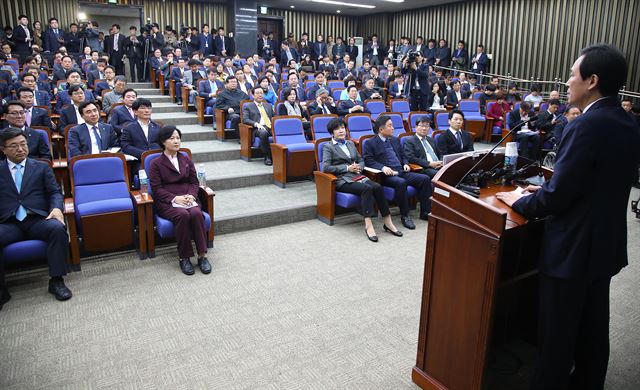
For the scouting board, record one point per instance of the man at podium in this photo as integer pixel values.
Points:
(585, 237)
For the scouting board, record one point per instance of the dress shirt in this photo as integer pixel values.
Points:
(95, 146)
(342, 146)
(78, 116)
(591, 104)
(174, 161)
(458, 138)
(431, 154)
(115, 41)
(27, 114)
(145, 129)
(13, 171)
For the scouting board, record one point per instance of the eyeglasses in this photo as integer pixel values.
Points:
(16, 113)
(22, 145)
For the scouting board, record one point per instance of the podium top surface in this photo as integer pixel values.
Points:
(488, 195)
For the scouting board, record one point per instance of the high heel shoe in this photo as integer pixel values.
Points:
(371, 238)
(397, 233)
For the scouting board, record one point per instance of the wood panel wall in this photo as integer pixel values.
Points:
(314, 23)
(539, 39)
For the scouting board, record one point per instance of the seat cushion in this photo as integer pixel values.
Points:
(104, 206)
(496, 130)
(474, 116)
(346, 200)
(165, 229)
(27, 250)
(301, 147)
(390, 192)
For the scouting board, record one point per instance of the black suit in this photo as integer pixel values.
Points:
(68, 116)
(529, 143)
(79, 141)
(448, 144)
(584, 244)
(419, 96)
(40, 117)
(416, 153)
(38, 146)
(314, 109)
(134, 50)
(22, 46)
(39, 195)
(345, 105)
(115, 56)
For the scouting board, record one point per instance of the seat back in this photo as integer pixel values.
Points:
(288, 130)
(544, 106)
(415, 116)
(319, 124)
(401, 106)
(398, 122)
(476, 95)
(359, 125)
(365, 139)
(375, 107)
(403, 137)
(442, 121)
(469, 106)
(319, 147)
(336, 92)
(335, 84)
(99, 177)
(490, 104)
(150, 155)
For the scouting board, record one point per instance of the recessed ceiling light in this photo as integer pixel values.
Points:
(292, 6)
(338, 11)
(343, 3)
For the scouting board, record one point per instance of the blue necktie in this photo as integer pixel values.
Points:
(98, 138)
(21, 214)
(459, 137)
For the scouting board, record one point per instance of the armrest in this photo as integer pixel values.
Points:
(325, 177)
(140, 198)
(200, 109)
(415, 167)
(373, 174)
(279, 158)
(205, 195)
(69, 208)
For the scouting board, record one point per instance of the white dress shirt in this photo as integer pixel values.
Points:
(145, 129)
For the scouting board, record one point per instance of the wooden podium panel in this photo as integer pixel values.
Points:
(479, 280)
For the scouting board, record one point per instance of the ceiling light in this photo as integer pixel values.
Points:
(343, 3)
(338, 11)
(292, 6)
(395, 1)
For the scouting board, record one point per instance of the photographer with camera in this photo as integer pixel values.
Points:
(417, 85)
(91, 34)
(134, 49)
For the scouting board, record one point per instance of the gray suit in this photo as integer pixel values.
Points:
(251, 116)
(335, 161)
(188, 81)
(109, 99)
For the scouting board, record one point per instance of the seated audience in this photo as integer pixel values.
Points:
(175, 191)
(549, 118)
(123, 114)
(351, 105)
(64, 98)
(498, 111)
(435, 100)
(268, 89)
(70, 114)
(571, 113)
(15, 116)
(421, 149)
(209, 89)
(107, 84)
(456, 94)
(115, 95)
(91, 137)
(370, 91)
(340, 158)
(534, 97)
(528, 141)
(292, 107)
(191, 79)
(142, 134)
(40, 98)
(323, 104)
(397, 87)
(319, 82)
(512, 96)
(178, 75)
(228, 100)
(243, 85)
(455, 140)
(33, 116)
(259, 116)
(383, 152)
(66, 65)
(34, 212)
(348, 82)
(489, 94)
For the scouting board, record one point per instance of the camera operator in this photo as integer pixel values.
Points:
(157, 39)
(91, 34)
(417, 73)
(134, 48)
(192, 40)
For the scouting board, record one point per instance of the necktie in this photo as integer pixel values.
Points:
(21, 214)
(264, 116)
(214, 88)
(115, 42)
(27, 114)
(324, 109)
(222, 39)
(131, 113)
(98, 138)
(459, 138)
(429, 150)
(56, 31)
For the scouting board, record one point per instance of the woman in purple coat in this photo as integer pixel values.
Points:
(175, 190)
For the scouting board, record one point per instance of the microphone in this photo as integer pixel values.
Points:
(494, 148)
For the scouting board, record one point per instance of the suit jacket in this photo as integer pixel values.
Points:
(39, 192)
(68, 116)
(318, 49)
(109, 46)
(251, 114)
(50, 40)
(157, 42)
(188, 77)
(176, 75)
(40, 117)
(93, 76)
(375, 155)
(514, 118)
(344, 72)
(345, 105)
(101, 86)
(338, 50)
(284, 61)
(430, 55)
(167, 183)
(134, 142)
(335, 161)
(72, 42)
(415, 153)
(422, 73)
(444, 54)
(134, 50)
(352, 51)
(397, 91)
(314, 109)
(79, 141)
(19, 38)
(63, 99)
(228, 45)
(120, 116)
(482, 63)
(156, 63)
(207, 46)
(463, 57)
(452, 98)
(585, 233)
(544, 121)
(42, 98)
(448, 144)
(204, 89)
(110, 98)
(226, 99)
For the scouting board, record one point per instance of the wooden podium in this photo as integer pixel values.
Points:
(480, 280)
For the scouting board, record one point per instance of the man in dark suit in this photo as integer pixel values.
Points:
(22, 38)
(455, 140)
(373, 51)
(420, 46)
(207, 47)
(66, 65)
(228, 100)
(422, 150)
(456, 94)
(134, 49)
(91, 137)
(479, 61)
(417, 82)
(443, 54)
(528, 140)
(31, 209)
(224, 44)
(383, 152)
(209, 89)
(33, 116)
(70, 114)
(259, 115)
(318, 48)
(324, 103)
(585, 237)
(121, 115)
(430, 52)
(156, 37)
(287, 54)
(73, 39)
(114, 46)
(460, 57)
(97, 74)
(352, 105)
(15, 116)
(142, 134)
(53, 37)
(549, 118)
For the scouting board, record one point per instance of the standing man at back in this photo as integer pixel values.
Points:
(114, 46)
(585, 237)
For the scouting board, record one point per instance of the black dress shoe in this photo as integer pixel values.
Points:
(424, 217)
(186, 267)
(59, 290)
(408, 222)
(204, 265)
(371, 238)
(397, 233)
(4, 297)
(267, 161)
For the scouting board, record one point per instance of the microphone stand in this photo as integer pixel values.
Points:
(470, 190)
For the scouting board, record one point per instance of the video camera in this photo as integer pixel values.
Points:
(412, 56)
